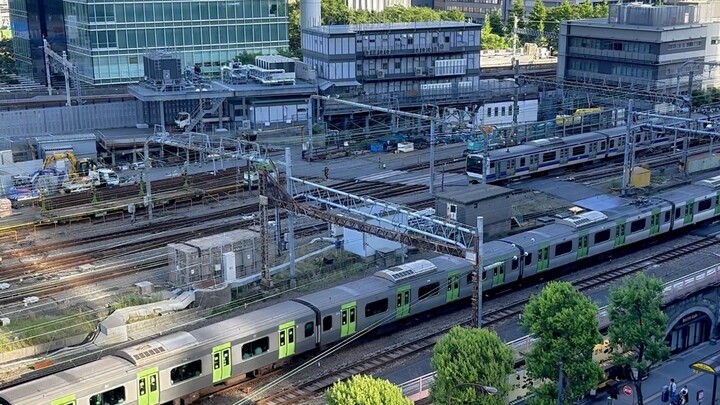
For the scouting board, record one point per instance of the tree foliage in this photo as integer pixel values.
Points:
(476, 356)
(489, 40)
(565, 324)
(538, 15)
(365, 390)
(517, 10)
(637, 324)
(7, 57)
(336, 12)
(497, 25)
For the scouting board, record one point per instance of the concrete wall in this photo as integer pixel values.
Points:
(40, 349)
(69, 119)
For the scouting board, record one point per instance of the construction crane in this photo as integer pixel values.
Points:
(69, 69)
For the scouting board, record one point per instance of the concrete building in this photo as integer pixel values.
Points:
(403, 59)
(636, 45)
(106, 41)
(474, 9)
(376, 5)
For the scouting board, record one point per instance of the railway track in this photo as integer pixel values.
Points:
(313, 387)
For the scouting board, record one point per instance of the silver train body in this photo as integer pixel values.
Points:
(172, 369)
(543, 155)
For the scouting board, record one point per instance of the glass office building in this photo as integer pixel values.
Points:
(30, 22)
(107, 38)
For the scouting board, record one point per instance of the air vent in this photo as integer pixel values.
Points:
(408, 270)
(547, 141)
(713, 182)
(149, 352)
(585, 219)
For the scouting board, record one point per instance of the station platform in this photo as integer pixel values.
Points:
(677, 367)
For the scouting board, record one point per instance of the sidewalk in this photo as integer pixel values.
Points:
(677, 367)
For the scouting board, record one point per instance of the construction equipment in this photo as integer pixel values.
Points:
(95, 178)
(182, 120)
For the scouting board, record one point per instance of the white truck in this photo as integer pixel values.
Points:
(97, 178)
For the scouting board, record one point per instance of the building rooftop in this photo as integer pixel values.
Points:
(421, 25)
(604, 23)
(274, 58)
(471, 194)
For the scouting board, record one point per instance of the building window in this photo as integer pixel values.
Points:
(447, 40)
(273, 10)
(397, 65)
(510, 110)
(496, 111)
(410, 40)
(502, 111)
(489, 114)
(434, 40)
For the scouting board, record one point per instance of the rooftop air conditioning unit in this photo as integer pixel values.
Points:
(381, 74)
(418, 71)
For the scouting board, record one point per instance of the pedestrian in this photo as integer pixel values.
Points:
(612, 394)
(684, 395)
(673, 387)
(326, 172)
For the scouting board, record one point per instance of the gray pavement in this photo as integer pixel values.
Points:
(677, 367)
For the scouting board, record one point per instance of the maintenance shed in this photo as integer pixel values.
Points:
(493, 203)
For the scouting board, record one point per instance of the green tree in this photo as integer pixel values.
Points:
(585, 10)
(365, 390)
(475, 356)
(294, 45)
(637, 324)
(488, 40)
(497, 25)
(565, 324)
(601, 9)
(7, 57)
(247, 58)
(517, 10)
(538, 15)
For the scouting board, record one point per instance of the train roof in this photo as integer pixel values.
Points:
(251, 323)
(58, 385)
(149, 352)
(497, 250)
(685, 193)
(533, 146)
(633, 208)
(543, 235)
(334, 297)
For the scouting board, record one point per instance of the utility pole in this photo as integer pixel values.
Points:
(516, 68)
(515, 36)
(628, 139)
(290, 220)
(432, 156)
(146, 175)
(310, 127)
(477, 284)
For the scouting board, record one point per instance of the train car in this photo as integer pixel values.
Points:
(693, 204)
(104, 381)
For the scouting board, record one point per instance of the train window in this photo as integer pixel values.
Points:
(469, 278)
(515, 263)
(548, 156)
(667, 216)
(309, 329)
(188, 371)
(677, 212)
(563, 248)
(429, 290)
(256, 347)
(704, 205)
(376, 307)
(327, 323)
(602, 236)
(602, 145)
(112, 397)
(522, 162)
(637, 226)
(612, 143)
(578, 150)
(528, 259)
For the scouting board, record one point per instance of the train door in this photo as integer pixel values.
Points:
(582, 250)
(655, 222)
(286, 334)
(402, 308)
(533, 163)
(68, 400)
(620, 233)
(511, 167)
(221, 361)
(563, 155)
(348, 321)
(592, 150)
(543, 262)
(498, 274)
(453, 286)
(689, 211)
(148, 387)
